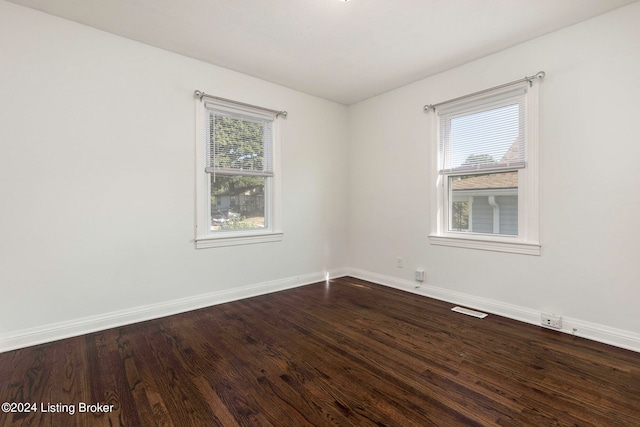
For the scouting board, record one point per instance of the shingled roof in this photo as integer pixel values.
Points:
(492, 181)
(486, 182)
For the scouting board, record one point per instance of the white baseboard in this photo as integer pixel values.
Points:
(53, 332)
(57, 331)
(593, 331)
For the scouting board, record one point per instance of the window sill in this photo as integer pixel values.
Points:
(236, 239)
(487, 245)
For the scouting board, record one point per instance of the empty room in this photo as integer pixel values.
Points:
(319, 212)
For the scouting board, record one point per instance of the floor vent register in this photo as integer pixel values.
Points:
(469, 312)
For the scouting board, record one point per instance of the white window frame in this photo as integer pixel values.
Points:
(527, 241)
(205, 238)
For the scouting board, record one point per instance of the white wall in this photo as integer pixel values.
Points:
(97, 183)
(97, 178)
(590, 233)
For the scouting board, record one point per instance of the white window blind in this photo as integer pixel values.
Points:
(485, 137)
(237, 144)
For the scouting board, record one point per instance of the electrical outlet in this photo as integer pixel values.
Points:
(399, 262)
(420, 275)
(551, 320)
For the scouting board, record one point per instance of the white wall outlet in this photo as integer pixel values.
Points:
(551, 320)
(420, 275)
(399, 262)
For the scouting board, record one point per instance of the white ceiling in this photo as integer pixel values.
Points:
(342, 51)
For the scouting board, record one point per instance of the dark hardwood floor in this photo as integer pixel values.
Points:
(348, 353)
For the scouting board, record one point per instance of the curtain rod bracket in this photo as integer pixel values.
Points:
(539, 75)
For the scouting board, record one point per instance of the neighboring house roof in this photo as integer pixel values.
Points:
(495, 180)
(513, 153)
(485, 182)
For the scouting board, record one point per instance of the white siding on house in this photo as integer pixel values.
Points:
(482, 215)
(483, 212)
(508, 214)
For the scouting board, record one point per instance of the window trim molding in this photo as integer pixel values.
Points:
(527, 242)
(235, 239)
(204, 238)
(485, 244)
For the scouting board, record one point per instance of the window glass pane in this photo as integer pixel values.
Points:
(460, 215)
(486, 203)
(485, 139)
(239, 143)
(237, 202)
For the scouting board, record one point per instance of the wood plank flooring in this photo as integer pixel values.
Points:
(345, 354)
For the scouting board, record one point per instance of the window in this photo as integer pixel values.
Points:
(484, 171)
(238, 177)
